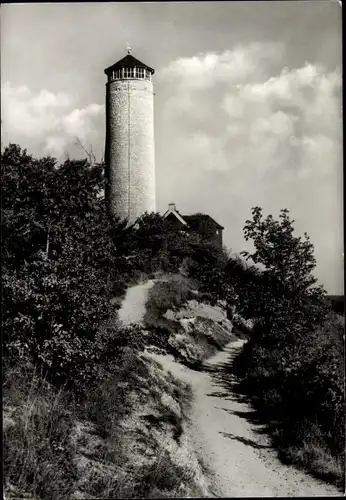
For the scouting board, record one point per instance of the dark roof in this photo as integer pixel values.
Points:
(128, 62)
(193, 220)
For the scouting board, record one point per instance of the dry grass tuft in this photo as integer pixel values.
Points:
(38, 455)
(312, 454)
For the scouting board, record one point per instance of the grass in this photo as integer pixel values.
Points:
(38, 454)
(54, 447)
(164, 478)
(311, 454)
(167, 416)
(146, 380)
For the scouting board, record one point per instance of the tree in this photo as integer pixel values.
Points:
(154, 244)
(293, 364)
(208, 265)
(61, 265)
(288, 258)
(290, 301)
(247, 282)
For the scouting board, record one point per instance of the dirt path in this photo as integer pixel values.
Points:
(240, 458)
(133, 306)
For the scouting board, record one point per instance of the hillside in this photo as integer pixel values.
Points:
(159, 427)
(129, 437)
(88, 302)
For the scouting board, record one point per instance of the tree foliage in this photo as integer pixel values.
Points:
(60, 263)
(293, 363)
(290, 301)
(65, 257)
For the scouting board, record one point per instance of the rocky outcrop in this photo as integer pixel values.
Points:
(204, 329)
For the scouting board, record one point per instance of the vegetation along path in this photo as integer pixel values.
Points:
(239, 456)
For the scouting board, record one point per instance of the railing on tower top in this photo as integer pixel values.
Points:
(130, 73)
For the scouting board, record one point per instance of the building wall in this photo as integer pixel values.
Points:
(175, 222)
(217, 238)
(130, 149)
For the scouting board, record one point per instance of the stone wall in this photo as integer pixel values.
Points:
(130, 149)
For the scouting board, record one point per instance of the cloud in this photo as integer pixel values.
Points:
(232, 66)
(47, 122)
(242, 130)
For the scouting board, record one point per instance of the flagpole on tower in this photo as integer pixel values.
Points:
(128, 48)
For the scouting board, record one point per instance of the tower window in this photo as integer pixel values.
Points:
(126, 72)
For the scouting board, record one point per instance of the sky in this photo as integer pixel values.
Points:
(247, 103)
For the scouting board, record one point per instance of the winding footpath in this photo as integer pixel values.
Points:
(237, 452)
(238, 455)
(133, 306)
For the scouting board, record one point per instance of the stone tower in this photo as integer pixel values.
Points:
(130, 148)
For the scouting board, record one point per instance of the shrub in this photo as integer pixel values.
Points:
(163, 296)
(168, 295)
(311, 452)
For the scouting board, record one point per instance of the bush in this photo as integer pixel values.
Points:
(166, 295)
(311, 452)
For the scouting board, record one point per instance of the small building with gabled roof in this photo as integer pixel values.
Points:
(199, 223)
